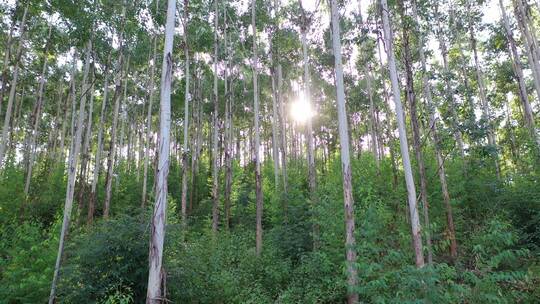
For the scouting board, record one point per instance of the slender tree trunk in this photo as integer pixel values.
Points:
(85, 156)
(312, 173)
(155, 293)
(7, 54)
(283, 141)
(149, 123)
(350, 242)
(112, 145)
(187, 97)
(13, 89)
(413, 209)
(417, 145)
(448, 91)
(257, 140)
(528, 42)
(37, 115)
(518, 70)
(97, 157)
(486, 113)
(228, 131)
(435, 135)
(72, 170)
(215, 152)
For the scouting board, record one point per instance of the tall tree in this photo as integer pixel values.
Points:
(348, 200)
(72, 172)
(187, 96)
(155, 294)
(257, 139)
(411, 191)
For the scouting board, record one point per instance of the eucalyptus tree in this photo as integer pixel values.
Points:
(72, 171)
(215, 127)
(518, 71)
(187, 97)
(157, 231)
(428, 97)
(411, 191)
(257, 139)
(348, 200)
(13, 86)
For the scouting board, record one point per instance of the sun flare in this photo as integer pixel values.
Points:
(301, 109)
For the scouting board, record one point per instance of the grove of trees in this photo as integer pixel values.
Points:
(279, 151)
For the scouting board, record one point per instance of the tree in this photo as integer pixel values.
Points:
(157, 231)
(348, 200)
(411, 191)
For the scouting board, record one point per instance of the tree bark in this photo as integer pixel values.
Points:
(72, 170)
(97, 157)
(417, 145)
(518, 70)
(13, 89)
(155, 294)
(187, 97)
(350, 242)
(435, 136)
(149, 123)
(413, 209)
(215, 152)
(257, 139)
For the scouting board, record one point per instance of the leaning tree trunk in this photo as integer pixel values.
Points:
(37, 115)
(11, 98)
(528, 42)
(417, 141)
(350, 242)
(155, 294)
(257, 141)
(7, 54)
(411, 191)
(482, 92)
(518, 70)
(72, 171)
(435, 135)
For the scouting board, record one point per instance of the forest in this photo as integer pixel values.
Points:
(269, 151)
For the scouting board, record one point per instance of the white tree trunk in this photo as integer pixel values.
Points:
(215, 152)
(187, 98)
(13, 89)
(257, 140)
(72, 170)
(157, 237)
(413, 208)
(348, 200)
(97, 157)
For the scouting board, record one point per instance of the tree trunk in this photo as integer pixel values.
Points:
(417, 145)
(37, 116)
(448, 91)
(97, 157)
(228, 131)
(187, 97)
(257, 139)
(149, 124)
(72, 170)
(312, 173)
(15, 77)
(518, 70)
(413, 209)
(116, 97)
(435, 135)
(350, 242)
(155, 294)
(215, 152)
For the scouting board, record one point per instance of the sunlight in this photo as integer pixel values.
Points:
(301, 109)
